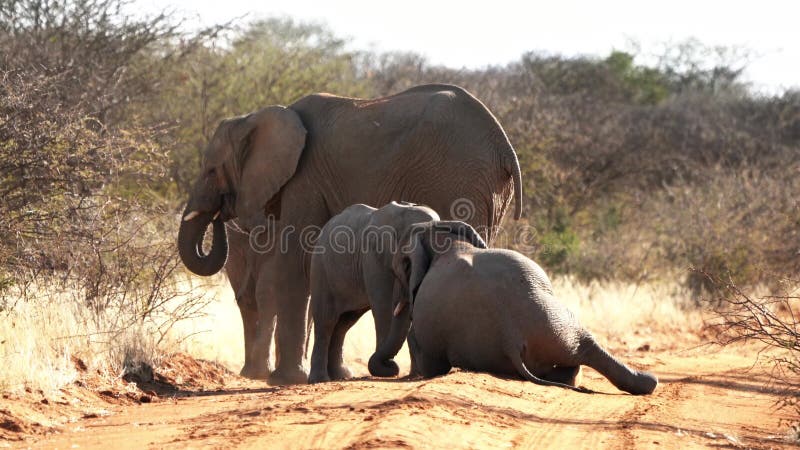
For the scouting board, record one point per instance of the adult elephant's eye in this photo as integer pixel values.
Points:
(211, 175)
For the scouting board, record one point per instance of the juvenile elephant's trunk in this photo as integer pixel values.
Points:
(190, 244)
(620, 375)
(381, 363)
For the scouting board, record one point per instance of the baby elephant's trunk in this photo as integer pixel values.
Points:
(620, 375)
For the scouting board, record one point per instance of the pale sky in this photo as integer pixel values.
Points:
(459, 34)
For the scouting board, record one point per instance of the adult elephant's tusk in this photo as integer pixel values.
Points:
(191, 216)
(399, 308)
(215, 216)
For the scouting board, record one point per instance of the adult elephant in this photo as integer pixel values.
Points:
(300, 165)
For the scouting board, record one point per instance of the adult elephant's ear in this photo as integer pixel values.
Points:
(270, 144)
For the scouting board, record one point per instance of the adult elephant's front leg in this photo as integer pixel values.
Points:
(257, 334)
(289, 285)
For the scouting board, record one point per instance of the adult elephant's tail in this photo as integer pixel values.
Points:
(508, 157)
(620, 375)
(511, 163)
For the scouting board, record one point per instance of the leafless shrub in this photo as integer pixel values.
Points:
(772, 321)
(82, 204)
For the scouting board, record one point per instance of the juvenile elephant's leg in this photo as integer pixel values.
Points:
(336, 368)
(325, 321)
(564, 375)
(289, 284)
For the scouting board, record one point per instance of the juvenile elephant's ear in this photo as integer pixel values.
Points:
(461, 229)
(410, 264)
(271, 144)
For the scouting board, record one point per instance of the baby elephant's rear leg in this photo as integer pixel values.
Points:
(564, 375)
(426, 364)
(336, 367)
(325, 320)
(515, 355)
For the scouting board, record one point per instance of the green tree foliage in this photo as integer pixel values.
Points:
(78, 172)
(269, 62)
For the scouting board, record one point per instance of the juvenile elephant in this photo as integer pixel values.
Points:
(351, 272)
(302, 164)
(494, 311)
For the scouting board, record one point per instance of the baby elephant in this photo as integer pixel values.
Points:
(494, 311)
(351, 272)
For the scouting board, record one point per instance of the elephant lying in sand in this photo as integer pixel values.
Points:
(493, 310)
(351, 272)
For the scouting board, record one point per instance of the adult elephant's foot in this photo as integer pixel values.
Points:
(284, 376)
(253, 372)
(340, 373)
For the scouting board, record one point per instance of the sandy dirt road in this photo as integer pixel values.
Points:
(706, 398)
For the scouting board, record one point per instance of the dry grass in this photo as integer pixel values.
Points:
(617, 310)
(41, 337)
(624, 315)
(44, 334)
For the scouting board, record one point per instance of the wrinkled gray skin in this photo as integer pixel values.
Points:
(302, 164)
(494, 311)
(351, 273)
(241, 266)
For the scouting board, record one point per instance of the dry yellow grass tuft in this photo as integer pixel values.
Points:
(44, 335)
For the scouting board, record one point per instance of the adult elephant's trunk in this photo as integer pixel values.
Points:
(190, 244)
(620, 375)
(381, 363)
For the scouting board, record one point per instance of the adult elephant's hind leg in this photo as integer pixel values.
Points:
(336, 367)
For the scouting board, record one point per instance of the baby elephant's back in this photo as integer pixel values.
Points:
(343, 232)
(339, 246)
(489, 299)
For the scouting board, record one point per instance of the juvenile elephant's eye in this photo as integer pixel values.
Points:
(212, 172)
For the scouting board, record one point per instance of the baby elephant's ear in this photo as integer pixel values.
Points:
(419, 263)
(411, 263)
(463, 230)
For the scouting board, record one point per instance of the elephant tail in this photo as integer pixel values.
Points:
(519, 365)
(620, 375)
(309, 322)
(511, 163)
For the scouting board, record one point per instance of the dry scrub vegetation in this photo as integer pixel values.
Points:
(633, 174)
